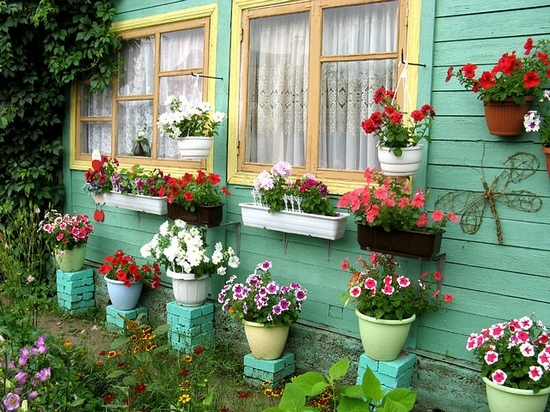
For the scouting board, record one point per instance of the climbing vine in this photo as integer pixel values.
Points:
(45, 45)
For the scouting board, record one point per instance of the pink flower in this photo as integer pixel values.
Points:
(535, 372)
(497, 331)
(525, 323)
(527, 349)
(491, 357)
(370, 283)
(499, 377)
(403, 281)
(355, 291)
(437, 216)
(388, 280)
(388, 290)
(522, 336)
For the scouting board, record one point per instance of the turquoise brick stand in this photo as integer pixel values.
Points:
(268, 372)
(75, 290)
(191, 327)
(113, 318)
(392, 374)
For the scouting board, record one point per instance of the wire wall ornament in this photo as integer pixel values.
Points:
(471, 205)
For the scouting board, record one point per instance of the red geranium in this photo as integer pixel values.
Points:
(512, 77)
(191, 191)
(392, 128)
(124, 268)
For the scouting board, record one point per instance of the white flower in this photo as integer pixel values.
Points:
(531, 121)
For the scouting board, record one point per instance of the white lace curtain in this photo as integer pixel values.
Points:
(278, 76)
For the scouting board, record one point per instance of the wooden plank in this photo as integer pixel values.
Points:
(453, 8)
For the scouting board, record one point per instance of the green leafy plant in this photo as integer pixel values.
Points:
(388, 203)
(392, 128)
(539, 120)
(380, 292)
(512, 77)
(46, 45)
(301, 393)
(66, 231)
(277, 191)
(262, 300)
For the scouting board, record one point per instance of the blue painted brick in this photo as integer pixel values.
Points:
(392, 374)
(190, 313)
(113, 317)
(275, 365)
(85, 274)
(260, 371)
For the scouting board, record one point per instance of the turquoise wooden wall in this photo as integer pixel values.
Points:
(489, 282)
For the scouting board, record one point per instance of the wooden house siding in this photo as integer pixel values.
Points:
(489, 282)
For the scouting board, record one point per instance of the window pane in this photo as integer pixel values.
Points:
(95, 135)
(277, 89)
(96, 104)
(137, 76)
(347, 90)
(367, 28)
(132, 117)
(188, 87)
(180, 50)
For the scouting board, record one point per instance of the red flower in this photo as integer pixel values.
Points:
(531, 79)
(198, 350)
(243, 394)
(110, 397)
(140, 388)
(528, 46)
(486, 80)
(469, 70)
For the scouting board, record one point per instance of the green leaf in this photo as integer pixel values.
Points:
(118, 342)
(372, 389)
(339, 369)
(312, 383)
(162, 329)
(293, 399)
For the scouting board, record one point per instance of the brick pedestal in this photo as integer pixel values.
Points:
(268, 372)
(191, 327)
(114, 320)
(392, 374)
(75, 290)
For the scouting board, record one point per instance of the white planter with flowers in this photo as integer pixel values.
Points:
(153, 205)
(299, 223)
(192, 125)
(405, 165)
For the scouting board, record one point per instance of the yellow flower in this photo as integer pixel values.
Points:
(184, 398)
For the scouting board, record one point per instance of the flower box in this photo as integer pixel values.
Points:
(407, 243)
(209, 216)
(140, 203)
(324, 227)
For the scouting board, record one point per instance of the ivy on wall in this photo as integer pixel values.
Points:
(45, 45)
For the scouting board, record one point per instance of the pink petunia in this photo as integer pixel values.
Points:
(499, 377)
(370, 283)
(388, 290)
(527, 349)
(355, 291)
(535, 373)
(522, 336)
(496, 331)
(525, 323)
(403, 281)
(491, 357)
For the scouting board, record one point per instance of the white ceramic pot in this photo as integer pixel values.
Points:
(123, 297)
(383, 339)
(503, 399)
(405, 165)
(265, 342)
(189, 291)
(71, 260)
(194, 147)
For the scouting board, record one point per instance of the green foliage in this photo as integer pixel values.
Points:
(45, 46)
(303, 392)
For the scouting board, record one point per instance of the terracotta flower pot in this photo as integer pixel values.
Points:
(506, 118)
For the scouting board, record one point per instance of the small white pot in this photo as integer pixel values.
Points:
(405, 165)
(189, 291)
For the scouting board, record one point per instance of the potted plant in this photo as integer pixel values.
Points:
(182, 250)
(299, 206)
(125, 279)
(515, 364)
(266, 309)
(191, 125)
(196, 199)
(68, 237)
(141, 145)
(128, 188)
(387, 303)
(508, 89)
(390, 218)
(539, 121)
(399, 151)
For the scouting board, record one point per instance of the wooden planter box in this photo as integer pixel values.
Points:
(324, 227)
(407, 243)
(209, 216)
(139, 203)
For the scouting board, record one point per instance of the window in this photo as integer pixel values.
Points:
(309, 71)
(157, 63)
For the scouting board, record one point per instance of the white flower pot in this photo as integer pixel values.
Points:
(324, 227)
(504, 399)
(123, 297)
(140, 203)
(194, 147)
(189, 291)
(265, 342)
(383, 339)
(405, 165)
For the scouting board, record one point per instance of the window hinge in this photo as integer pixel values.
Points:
(238, 146)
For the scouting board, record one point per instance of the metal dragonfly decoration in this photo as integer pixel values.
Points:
(471, 205)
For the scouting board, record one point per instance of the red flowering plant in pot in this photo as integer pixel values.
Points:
(124, 268)
(191, 191)
(393, 129)
(508, 89)
(389, 203)
(515, 354)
